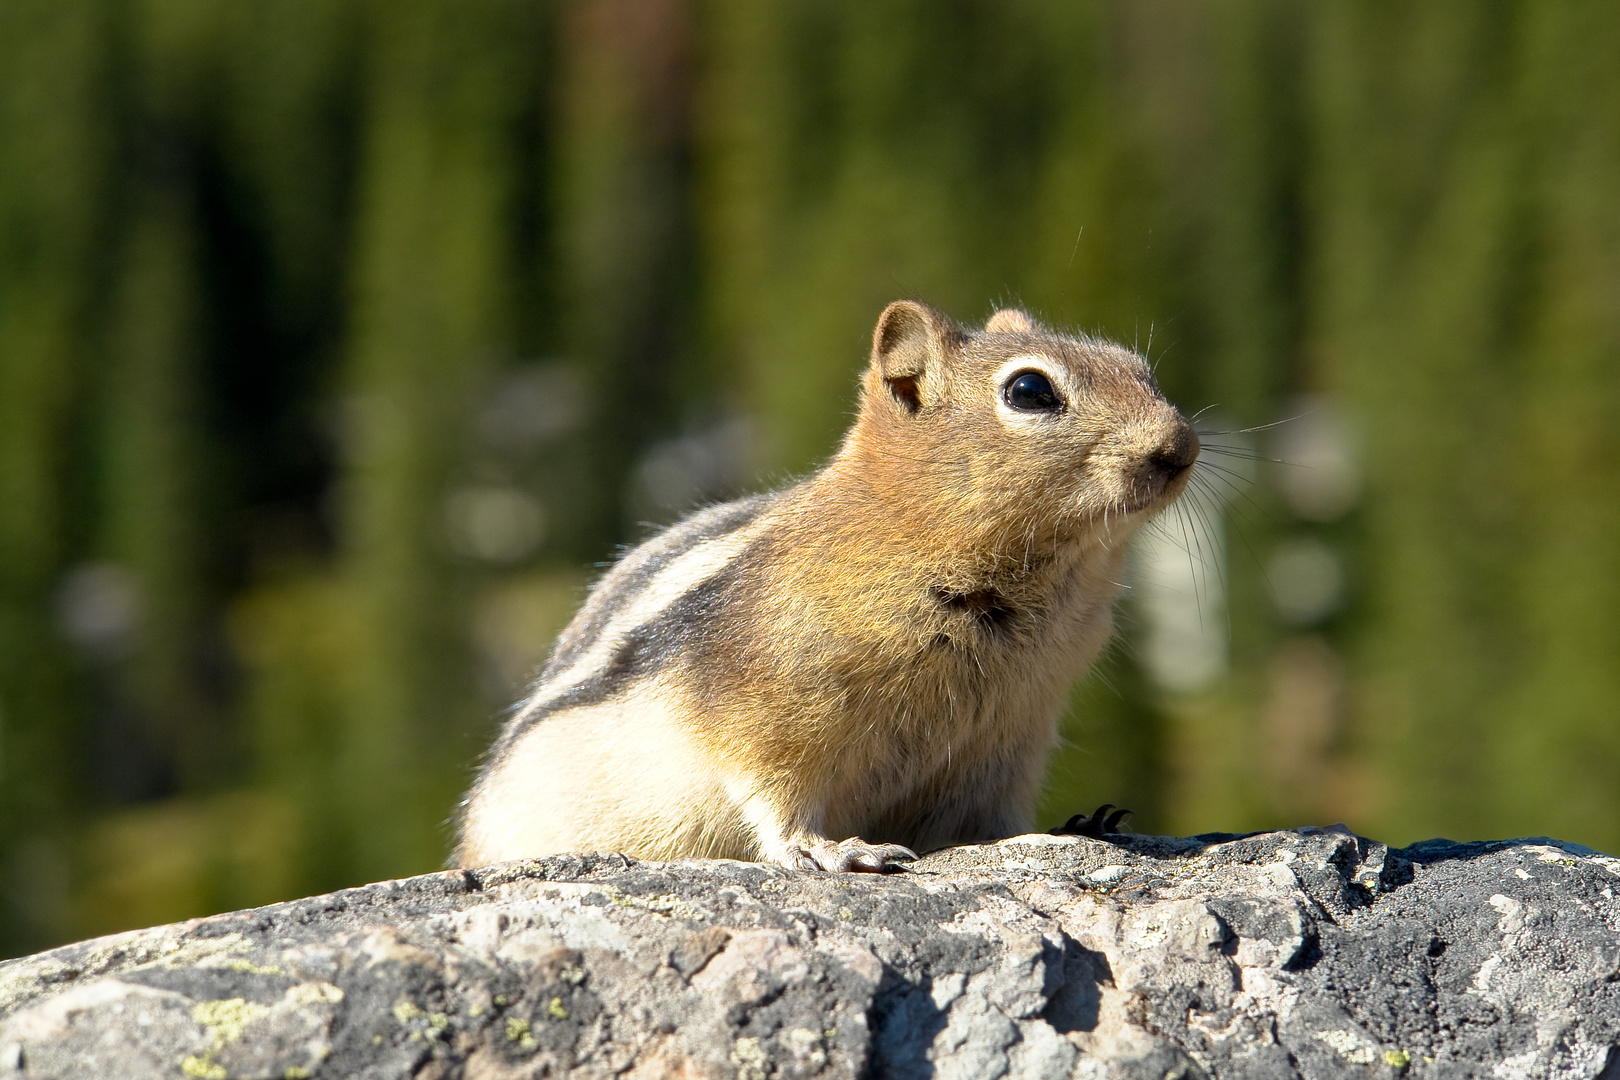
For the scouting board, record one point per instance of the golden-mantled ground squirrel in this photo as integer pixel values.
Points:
(880, 651)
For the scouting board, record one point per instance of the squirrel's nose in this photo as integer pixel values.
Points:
(1178, 450)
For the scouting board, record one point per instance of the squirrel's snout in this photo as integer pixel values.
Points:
(1178, 450)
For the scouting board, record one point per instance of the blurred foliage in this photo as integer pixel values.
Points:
(338, 340)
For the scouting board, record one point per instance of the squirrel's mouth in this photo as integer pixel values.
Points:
(1130, 508)
(1153, 501)
(1120, 510)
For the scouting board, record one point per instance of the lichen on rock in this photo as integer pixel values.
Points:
(1310, 953)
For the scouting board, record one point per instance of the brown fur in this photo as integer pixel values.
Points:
(895, 643)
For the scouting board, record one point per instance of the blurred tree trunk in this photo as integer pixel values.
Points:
(1458, 297)
(431, 311)
(623, 207)
(55, 144)
(160, 732)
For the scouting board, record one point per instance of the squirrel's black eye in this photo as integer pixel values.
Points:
(1032, 392)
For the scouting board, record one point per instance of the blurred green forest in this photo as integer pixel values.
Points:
(340, 340)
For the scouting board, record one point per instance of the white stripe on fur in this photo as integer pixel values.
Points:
(684, 572)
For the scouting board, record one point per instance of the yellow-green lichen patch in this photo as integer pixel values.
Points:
(517, 1030)
(250, 968)
(193, 952)
(201, 1068)
(130, 951)
(229, 1018)
(295, 1072)
(313, 993)
(572, 974)
(1397, 1059)
(556, 1010)
(1554, 855)
(666, 904)
(405, 1011)
(805, 1046)
(424, 1026)
(750, 1060)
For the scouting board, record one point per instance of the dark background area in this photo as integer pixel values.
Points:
(339, 341)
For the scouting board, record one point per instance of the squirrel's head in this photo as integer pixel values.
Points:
(1015, 427)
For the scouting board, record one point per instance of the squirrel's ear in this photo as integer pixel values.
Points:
(908, 348)
(1010, 321)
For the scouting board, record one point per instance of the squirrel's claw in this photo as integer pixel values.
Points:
(1098, 824)
(853, 856)
(800, 859)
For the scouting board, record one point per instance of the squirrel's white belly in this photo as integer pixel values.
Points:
(622, 774)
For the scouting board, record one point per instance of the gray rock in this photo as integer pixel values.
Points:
(1313, 953)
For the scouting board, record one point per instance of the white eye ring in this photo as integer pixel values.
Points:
(1010, 372)
(1031, 391)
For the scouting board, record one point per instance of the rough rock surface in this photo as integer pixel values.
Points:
(1313, 953)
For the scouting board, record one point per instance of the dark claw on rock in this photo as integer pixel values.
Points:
(896, 853)
(1099, 824)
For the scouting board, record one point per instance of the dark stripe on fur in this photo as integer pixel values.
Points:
(601, 607)
(644, 651)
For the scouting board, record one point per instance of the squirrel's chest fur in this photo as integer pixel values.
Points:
(875, 675)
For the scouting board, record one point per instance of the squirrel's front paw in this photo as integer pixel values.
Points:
(851, 856)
